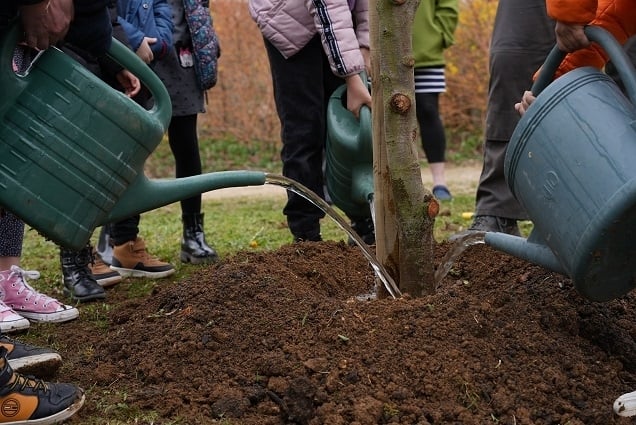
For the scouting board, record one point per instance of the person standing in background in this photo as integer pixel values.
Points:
(522, 37)
(313, 48)
(84, 273)
(148, 31)
(433, 32)
(177, 71)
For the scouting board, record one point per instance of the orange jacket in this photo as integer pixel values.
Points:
(572, 11)
(616, 16)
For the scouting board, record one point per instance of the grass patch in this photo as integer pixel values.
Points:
(219, 155)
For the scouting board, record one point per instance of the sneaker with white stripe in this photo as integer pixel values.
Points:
(10, 321)
(16, 293)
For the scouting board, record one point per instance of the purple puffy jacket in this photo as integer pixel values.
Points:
(290, 24)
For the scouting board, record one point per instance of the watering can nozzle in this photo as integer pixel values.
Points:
(521, 248)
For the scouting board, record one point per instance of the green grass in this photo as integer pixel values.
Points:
(463, 146)
(219, 155)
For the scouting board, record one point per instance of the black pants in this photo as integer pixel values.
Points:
(522, 37)
(431, 126)
(11, 234)
(303, 84)
(184, 143)
(124, 231)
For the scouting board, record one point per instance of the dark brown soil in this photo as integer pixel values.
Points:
(280, 338)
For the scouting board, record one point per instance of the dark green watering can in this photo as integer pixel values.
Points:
(349, 156)
(570, 163)
(72, 149)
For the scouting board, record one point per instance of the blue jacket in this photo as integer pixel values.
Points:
(147, 18)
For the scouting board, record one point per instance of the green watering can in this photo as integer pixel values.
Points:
(349, 156)
(72, 149)
(570, 163)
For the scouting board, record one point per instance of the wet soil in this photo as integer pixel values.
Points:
(280, 338)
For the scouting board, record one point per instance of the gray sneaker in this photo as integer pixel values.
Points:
(491, 223)
(29, 359)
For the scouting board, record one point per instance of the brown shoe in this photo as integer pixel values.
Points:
(26, 400)
(132, 259)
(103, 274)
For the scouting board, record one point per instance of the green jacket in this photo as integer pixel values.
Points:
(433, 31)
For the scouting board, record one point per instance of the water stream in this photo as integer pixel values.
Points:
(461, 244)
(303, 191)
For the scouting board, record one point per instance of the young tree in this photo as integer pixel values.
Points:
(404, 210)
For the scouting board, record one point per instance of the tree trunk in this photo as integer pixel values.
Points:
(404, 210)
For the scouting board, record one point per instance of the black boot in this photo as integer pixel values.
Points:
(79, 283)
(365, 229)
(194, 248)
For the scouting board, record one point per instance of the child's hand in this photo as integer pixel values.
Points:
(129, 82)
(357, 94)
(144, 52)
(525, 103)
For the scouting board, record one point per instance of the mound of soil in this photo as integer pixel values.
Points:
(282, 338)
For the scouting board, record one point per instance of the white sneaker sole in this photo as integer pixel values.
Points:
(60, 416)
(109, 281)
(14, 325)
(56, 317)
(28, 361)
(140, 273)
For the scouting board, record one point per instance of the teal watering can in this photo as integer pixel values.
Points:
(72, 149)
(349, 156)
(571, 164)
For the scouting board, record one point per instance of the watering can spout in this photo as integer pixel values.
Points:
(525, 249)
(362, 183)
(147, 194)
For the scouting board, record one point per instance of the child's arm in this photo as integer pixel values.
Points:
(163, 21)
(446, 18)
(340, 38)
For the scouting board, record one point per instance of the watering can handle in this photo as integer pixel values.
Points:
(162, 106)
(612, 48)
(366, 129)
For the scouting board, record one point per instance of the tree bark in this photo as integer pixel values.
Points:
(404, 210)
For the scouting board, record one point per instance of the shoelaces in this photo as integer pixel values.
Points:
(23, 382)
(21, 279)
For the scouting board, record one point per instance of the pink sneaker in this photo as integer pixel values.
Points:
(16, 293)
(10, 321)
